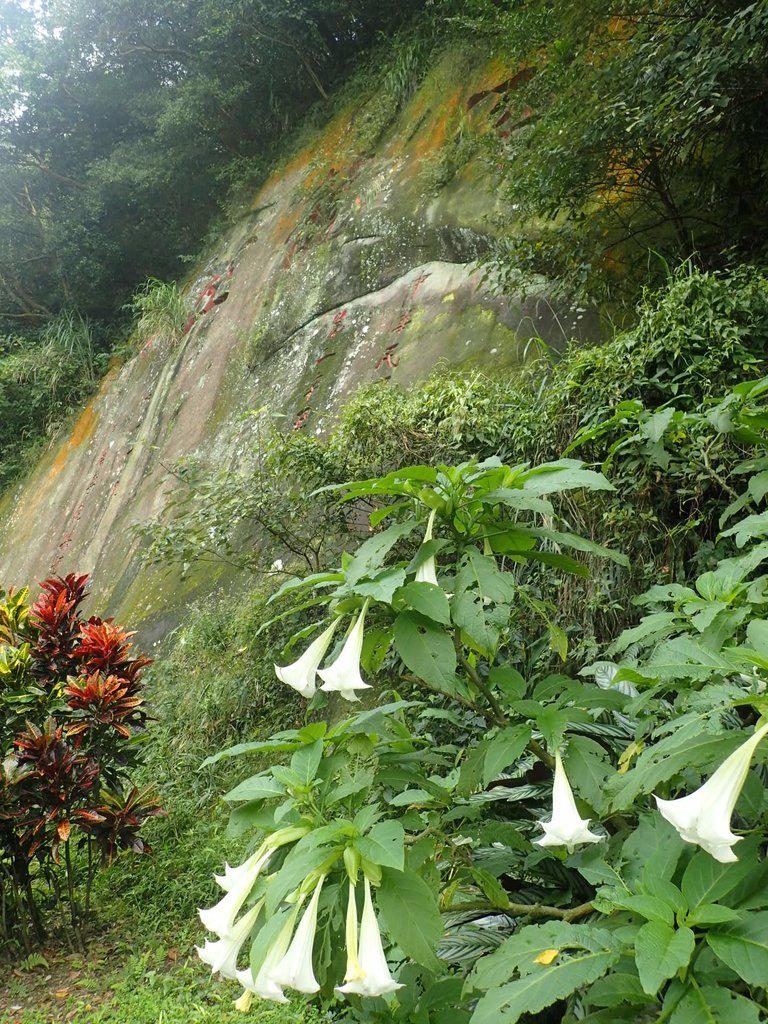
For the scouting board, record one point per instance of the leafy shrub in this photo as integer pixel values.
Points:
(71, 713)
(435, 796)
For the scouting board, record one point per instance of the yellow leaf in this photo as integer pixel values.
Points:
(631, 752)
(546, 957)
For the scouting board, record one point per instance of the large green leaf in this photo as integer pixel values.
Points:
(743, 945)
(617, 989)
(587, 767)
(563, 475)
(660, 952)
(370, 555)
(306, 761)
(706, 880)
(710, 1005)
(690, 747)
(384, 845)
(573, 540)
(258, 787)
(534, 991)
(411, 915)
(503, 750)
(518, 953)
(427, 599)
(426, 649)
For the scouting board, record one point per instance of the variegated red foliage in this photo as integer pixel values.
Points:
(104, 700)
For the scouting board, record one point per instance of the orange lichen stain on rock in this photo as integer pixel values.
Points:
(327, 146)
(434, 135)
(81, 432)
(495, 71)
(285, 225)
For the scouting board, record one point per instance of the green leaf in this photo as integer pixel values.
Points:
(508, 682)
(616, 989)
(491, 887)
(258, 787)
(307, 855)
(272, 745)
(743, 946)
(426, 649)
(563, 475)
(706, 880)
(503, 750)
(572, 540)
(427, 599)
(370, 555)
(382, 586)
(587, 767)
(688, 747)
(660, 952)
(533, 992)
(306, 761)
(711, 913)
(518, 953)
(649, 907)
(711, 1005)
(384, 845)
(411, 916)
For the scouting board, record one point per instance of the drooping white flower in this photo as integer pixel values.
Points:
(231, 877)
(263, 984)
(243, 1004)
(353, 972)
(220, 918)
(704, 817)
(367, 970)
(295, 969)
(301, 673)
(343, 676)
(566, 827)
(427, 571)
(222, 956)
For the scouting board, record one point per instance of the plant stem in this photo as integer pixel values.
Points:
(527, 909)
(498, 715)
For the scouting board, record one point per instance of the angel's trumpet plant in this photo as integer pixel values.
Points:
(566, 827)
(295, 969)
(704, 817)
(220, 918)
(301, 673)
(222, 956)
(343, 676)
(427, 571)
(367, 967)
(263, 985)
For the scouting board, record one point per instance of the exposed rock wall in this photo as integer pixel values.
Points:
(356, 263)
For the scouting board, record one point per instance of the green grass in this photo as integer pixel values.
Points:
(141, 966)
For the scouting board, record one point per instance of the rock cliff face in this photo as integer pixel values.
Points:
(355, 263)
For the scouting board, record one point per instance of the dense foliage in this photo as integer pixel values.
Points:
(435, 796)
(71, 718)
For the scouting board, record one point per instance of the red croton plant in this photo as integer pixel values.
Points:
(71, 721)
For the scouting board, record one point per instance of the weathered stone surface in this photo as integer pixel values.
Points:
(352, 266)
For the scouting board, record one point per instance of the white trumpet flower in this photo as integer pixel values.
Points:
(704, 817)
(566, 827)
(222, 956)
(301, 673)
(367, 967)
(295, 970)
(220, 918)
(427, 571)
(343, 676)
(263, 985)
(231, 877)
